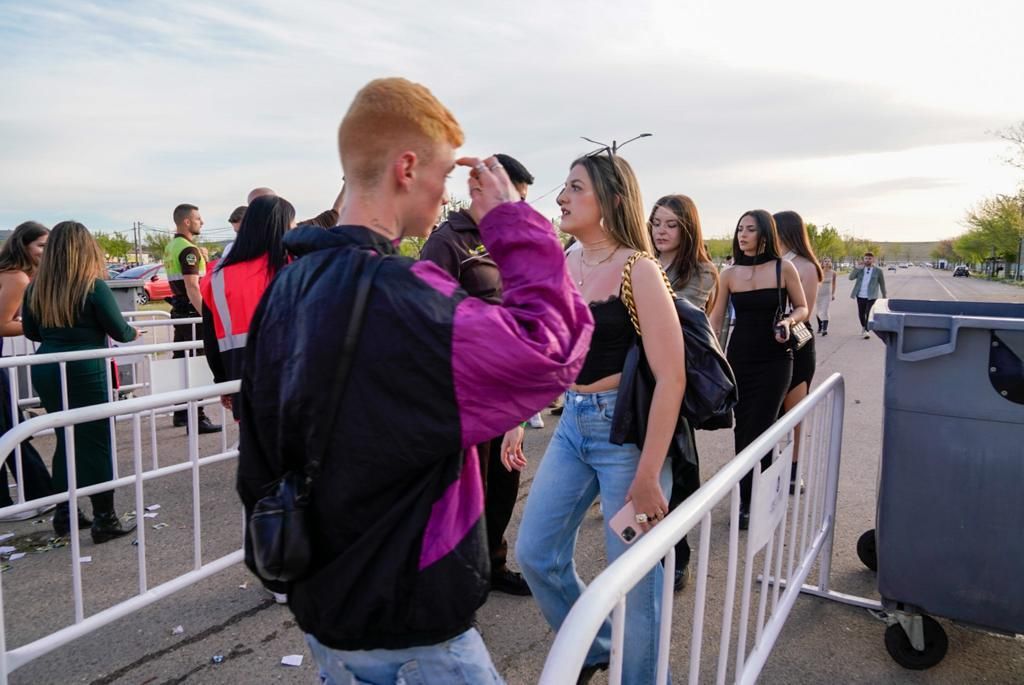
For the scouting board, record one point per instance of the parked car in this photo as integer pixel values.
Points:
(156, 286)
(892, 267)
(961, 271)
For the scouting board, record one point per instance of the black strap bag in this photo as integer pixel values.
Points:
(710, 384)
(799, 333)
(279, 529)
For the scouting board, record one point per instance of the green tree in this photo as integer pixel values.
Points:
(719, 248)
(996, 226)
(825, 241)
(115, 245)
(155, 243)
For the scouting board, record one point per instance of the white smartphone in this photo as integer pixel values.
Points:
(624, 524)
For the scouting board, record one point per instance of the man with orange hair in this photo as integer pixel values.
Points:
(400, 562)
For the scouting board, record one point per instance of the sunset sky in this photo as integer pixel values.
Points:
(876, 117)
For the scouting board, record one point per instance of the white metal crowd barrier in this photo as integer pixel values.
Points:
(154, 376)
(135, 409)
(797, 530)
(18, 345)
(159, 323)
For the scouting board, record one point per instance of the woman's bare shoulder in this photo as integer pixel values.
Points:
(14, 277)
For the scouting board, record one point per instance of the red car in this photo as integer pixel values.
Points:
(156, 286)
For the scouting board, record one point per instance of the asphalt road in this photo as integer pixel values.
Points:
(231, 617)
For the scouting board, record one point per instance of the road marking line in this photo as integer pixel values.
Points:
(955, 298)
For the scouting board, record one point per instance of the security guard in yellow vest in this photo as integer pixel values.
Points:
(185, 265)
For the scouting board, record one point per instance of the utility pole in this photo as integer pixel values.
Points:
(136, 229)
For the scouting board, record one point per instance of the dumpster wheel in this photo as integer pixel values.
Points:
(867, 550)
(897, 642)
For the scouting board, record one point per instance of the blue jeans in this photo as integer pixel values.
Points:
(463, 660)
(579, 464)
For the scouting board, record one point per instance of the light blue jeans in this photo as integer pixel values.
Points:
(463, 660)
(579, 464)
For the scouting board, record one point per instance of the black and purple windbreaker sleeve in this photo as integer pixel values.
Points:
(510, 360)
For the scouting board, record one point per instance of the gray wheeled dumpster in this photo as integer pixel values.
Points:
(950, 519)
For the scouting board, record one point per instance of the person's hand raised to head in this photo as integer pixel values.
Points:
(493, 184)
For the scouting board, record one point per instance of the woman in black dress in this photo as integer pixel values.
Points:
(762, 362)
(795, 246)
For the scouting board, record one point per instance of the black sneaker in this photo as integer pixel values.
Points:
(681, 579)
(509, 582)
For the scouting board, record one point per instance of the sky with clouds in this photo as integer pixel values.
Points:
(876, 117)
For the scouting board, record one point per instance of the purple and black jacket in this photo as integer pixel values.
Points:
(401, 557)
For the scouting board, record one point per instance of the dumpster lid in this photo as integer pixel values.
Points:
(894, 315)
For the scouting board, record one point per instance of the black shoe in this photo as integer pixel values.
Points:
(62, 520)
(108, 526)
(824, 333)
(682, 578)
(180, 420)
(792, 487)
(509, 582)
(744, 518)
(206, 426)
(557, 411)
(588, 672)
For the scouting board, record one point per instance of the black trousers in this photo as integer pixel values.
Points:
(184, 333)
(685, 482)
(36, 476)
(864, 306)
(501, 490)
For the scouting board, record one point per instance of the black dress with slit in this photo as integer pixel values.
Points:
(763, 369)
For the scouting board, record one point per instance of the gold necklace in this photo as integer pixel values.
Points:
(583, 263)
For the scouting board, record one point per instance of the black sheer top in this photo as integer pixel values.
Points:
(613, 336)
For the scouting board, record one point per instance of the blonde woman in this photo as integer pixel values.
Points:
(69, 307)
(826, 293)
(602, 208)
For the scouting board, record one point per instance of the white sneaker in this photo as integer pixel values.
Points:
(280, 597)
(866, 335)
(536, 421)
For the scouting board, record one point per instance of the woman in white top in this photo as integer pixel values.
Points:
(826, 293)
(796, 248)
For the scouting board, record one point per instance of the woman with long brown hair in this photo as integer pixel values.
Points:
(69, 307)
(19, 259)
(602, 208)
(679, 245)
(795, 246)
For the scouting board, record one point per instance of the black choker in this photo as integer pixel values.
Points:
(744, 260)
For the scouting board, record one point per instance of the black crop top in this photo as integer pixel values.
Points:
(613, 336)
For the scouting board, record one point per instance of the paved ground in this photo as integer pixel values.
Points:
(229, 615)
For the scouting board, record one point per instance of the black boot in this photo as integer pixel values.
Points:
(62, 520)
(107, 525)
(207, 426)
(824, 327)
